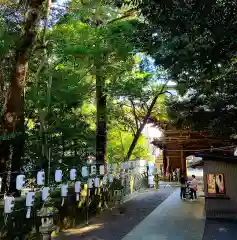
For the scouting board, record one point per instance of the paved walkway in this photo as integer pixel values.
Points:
(111, 226)
(173, 219)
(220, 230)
(156, 215)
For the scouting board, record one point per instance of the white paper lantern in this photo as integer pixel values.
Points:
(64, 190)
(9, 203)
(40, 178)
(45, 193)
(102, 169)
(111, 178)
(97, 182)
(108, 167)
(84, 171)
(93, 170)
(115, 167)
(30, 198)
(73, 174)
(58, 175)
(105, 179)
(90, 183)
(20, 182)
(77, 186)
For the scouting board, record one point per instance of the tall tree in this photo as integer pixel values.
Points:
(13, 108)
(195, 42)
(142, 92)
(111, 41)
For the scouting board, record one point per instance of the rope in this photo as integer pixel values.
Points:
(202, 149)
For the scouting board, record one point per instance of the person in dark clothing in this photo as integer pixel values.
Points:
(182, 187)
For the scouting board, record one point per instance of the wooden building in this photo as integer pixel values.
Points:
(220, 172)
(180, 143)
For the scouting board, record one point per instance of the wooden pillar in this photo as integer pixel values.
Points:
(182, 159)
(185, 164)
(164, 160)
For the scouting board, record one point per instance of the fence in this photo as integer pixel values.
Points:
(94, 198)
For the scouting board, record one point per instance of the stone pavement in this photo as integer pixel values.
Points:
(173, 219)
(111, 226)
(155, 215)
(220, 230)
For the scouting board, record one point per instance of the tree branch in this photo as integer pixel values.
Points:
(139, 131)
(134, 113)
(127, 14)
(122, 146)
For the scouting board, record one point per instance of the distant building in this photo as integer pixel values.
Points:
(177, 144)
(151, 133)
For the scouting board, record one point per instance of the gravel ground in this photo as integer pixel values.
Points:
(112, 226)
(220, 230)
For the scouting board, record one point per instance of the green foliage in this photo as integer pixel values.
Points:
(8, 36)
(60, 109)
(9, 136)
(196, 42)
(119, 143)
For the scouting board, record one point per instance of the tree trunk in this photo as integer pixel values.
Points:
(141, 127)
(13, 111)
(101, 121)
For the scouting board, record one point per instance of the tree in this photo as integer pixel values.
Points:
(195, 42)
(141, 99)
(62, 120)
(211, 109)
(81, 76)
(109, 46)
(13, 107)
(126, 114)
(73, 71)
(119, 142)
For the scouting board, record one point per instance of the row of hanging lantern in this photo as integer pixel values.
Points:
(45, 191)
(93, 181)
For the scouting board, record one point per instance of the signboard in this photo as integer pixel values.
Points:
(215, 183)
